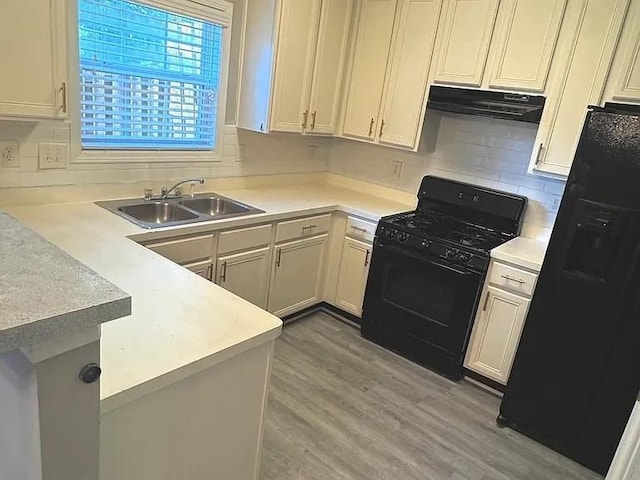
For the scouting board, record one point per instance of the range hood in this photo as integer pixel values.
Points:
(508, 106)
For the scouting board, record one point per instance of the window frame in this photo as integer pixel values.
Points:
(216, 11)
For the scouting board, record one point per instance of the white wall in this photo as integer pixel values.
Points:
(489, 152)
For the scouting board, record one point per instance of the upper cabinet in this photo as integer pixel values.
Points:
(388, 79)
(624, 81)
(506, 45)
(465, 38)
(524, 42)
(589, 37)
(292, 68)
(33, 45)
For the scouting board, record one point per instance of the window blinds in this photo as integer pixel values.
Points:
(149, 78)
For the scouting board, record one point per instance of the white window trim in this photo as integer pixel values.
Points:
(218, 11)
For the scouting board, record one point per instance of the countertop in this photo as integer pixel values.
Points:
(46, 293)
(180, 322)
(525, 252)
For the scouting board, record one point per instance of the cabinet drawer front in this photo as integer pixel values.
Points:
(302, 227)
(360, 229)
(244, 239)
(513, 279)
(185, 250)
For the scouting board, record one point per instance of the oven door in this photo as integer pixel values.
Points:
(421, 296)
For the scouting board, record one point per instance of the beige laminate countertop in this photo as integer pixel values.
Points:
(180, 322)
(526, 252)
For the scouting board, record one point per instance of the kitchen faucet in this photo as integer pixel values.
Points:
(164, 193)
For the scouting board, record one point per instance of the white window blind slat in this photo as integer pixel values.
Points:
(149, 78)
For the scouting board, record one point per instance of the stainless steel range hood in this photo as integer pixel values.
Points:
(508, 106)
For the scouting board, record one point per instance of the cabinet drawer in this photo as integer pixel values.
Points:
(302, 227)
(513, 279)
(360, 229)
(244, 239)
(185, 250)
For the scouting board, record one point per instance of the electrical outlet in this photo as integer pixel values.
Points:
(396, 165)
(53, 155)
(311, 155)
(9, 154)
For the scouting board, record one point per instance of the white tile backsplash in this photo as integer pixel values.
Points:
(488, 152)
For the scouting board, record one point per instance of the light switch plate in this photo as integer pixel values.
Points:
(53, 155)
(9, 155)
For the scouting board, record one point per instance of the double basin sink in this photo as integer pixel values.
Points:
(157, 213)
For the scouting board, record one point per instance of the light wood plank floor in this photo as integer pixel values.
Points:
(343, 408)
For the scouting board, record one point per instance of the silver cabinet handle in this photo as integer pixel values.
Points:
(539, 155)
(309, 227)
(313, 120)
(278, 257)
(304, 119)
(511, 279)
(209, 271)
(63, 92)
(486, 301)
(371, 126)
(382, 127)
(359, 229)
(223, 273)
(366, 258)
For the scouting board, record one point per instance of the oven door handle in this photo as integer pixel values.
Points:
(429, 260)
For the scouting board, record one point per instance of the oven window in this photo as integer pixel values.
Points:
(423, 289)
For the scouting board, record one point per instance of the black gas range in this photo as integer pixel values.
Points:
(428, 267)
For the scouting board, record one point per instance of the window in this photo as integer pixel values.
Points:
(150, 79)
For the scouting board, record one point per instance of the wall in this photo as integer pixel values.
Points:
(489, 152)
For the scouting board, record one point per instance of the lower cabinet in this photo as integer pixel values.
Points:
(246, 274)
(352, 278)
(201, 268)
(497, 333)
(502, 312)
(296, 275)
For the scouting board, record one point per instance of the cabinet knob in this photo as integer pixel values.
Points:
(90, 373)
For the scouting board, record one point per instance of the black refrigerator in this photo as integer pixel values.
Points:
(576, 374)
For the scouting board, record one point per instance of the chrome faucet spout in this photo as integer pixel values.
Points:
(167, 191)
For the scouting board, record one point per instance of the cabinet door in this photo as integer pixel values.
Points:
(324, 105)
(624, 81)
(464, 43)
(294, 64)
(496, 334)
(352, 278)
(246, 274)
(296, 275)
(32, 41)
(371, 53)
(592, 39)
(526, 36)
(403, 109)
(201, 268)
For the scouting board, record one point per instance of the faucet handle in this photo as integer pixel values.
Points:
(148, 194)
(177, 191)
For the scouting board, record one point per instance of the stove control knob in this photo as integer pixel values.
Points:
(425, 244)
(403, 237)
(464, 257)
(390, 234)
(450, 253)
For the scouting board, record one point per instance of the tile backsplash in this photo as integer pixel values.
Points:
(488, 152)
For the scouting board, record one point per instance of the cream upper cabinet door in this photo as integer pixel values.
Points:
(592, 33)
(464, 41)
(412, 49)
(33, 45)
(524, 42)
(331, 49)
(496, 334)
(246, 274)
(369, 66)
(294, 64)
(352, 279)
(624, 82)
(296, 275)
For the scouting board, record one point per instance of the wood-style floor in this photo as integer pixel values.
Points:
(343, 408)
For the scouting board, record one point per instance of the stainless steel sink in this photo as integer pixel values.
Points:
(158, 213)
(214, 206)
(169, 212)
